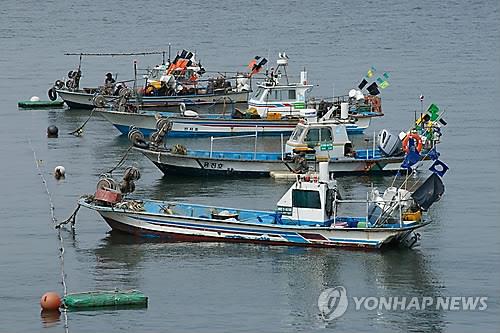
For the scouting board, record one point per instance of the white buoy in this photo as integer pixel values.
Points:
(34, 99)
(59, 172)
(344, 110)
(324, 175)
(352, 93)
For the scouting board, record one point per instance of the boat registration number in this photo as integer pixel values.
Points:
(212, 165)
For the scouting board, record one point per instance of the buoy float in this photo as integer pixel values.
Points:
(52, 131)
(59, 172)
(35, 99)
(50, 301)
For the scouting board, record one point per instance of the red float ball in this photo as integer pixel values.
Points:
(50, 301)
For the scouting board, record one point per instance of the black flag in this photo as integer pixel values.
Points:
(429, 192)
(373, 89)
(362, 84)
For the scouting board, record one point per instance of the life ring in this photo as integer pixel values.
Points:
(406, 142)
(52, 94)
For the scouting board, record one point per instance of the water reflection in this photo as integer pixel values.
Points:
(50, 318)
(392, 273)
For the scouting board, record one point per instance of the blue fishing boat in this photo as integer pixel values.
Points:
(310, 213)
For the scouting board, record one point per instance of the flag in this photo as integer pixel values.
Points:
(429, 192)
(433, 154)
(373, 89)
(433, 111)
(411, 158)
(386, 75)
(439, 168)
(383, 84)
(371, 72)
(442, 121)
(362, 84)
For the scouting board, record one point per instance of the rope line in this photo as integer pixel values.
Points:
(54, 220)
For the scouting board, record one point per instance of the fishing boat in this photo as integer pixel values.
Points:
(310, 213)
(278, 97)
(166, 86)
(309, 144)
(275, 109)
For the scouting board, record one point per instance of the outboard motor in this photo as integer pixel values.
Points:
(389, 144)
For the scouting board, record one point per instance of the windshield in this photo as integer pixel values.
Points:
(297, 133)
(258, 93)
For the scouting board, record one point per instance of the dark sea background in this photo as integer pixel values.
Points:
(446, 50)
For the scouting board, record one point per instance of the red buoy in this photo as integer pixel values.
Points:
(50, 301)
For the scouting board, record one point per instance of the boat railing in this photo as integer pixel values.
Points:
(254, 135)
(386, 212)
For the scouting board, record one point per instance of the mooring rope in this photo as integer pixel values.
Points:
(121, 160)
(79, 130)
(54, 220)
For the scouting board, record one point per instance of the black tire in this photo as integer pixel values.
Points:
(52, 94)
(139, 143)
(71, 74)
(59, 84)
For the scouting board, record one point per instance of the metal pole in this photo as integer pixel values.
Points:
(211, 145)
(400, 211)
(367, 207)
(373, 144)
(335, 209)
(255, 145)
(169, 45)
(282, 148)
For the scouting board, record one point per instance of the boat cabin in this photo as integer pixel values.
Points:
(310, 199)
(328, 139)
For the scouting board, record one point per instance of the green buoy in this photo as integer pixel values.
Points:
(97, 299)
(39, 104)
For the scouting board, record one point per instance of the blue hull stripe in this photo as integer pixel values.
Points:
(211, 227)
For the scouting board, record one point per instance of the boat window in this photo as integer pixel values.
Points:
(312, 135)
(306, 199)
(258, 93)
(297, 133)
(315, 135)
(326, 134)
(291, 95)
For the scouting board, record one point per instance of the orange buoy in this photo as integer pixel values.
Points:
(50, 301)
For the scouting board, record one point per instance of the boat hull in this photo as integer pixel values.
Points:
(170, 163)
(186, 229)
(188, 127)
(83, 100)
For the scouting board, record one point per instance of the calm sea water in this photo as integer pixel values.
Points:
(446, 50)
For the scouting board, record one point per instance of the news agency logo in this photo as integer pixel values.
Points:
(333, 303)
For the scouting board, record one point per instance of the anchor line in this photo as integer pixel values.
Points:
(79, 130)
(121, 161)
(54, 220)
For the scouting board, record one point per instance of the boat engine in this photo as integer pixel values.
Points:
(389, 144)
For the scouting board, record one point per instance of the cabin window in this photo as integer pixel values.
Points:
(306, 199)
(258, 93)
(315, 135)
(291, 95)
(297, 133)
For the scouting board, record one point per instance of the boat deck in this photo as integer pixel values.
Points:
(241, 215)
(272, 156)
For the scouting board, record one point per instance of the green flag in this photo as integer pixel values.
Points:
(433, 111)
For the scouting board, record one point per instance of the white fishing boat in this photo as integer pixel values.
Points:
(310, 213)
(277, 97)
(166, 86)
(309, 144)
